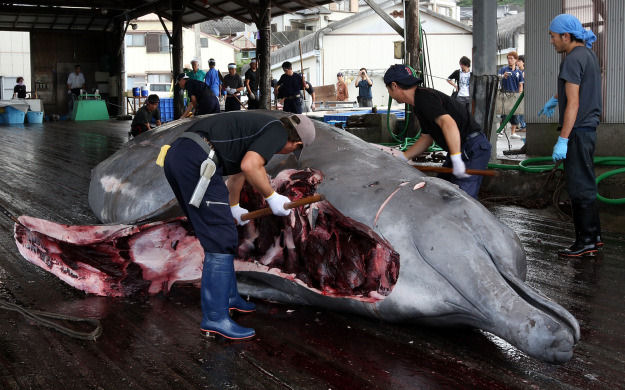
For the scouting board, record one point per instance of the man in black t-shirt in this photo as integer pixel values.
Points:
(251, 85)
(143, 117)
(242, 143)
(445, 121)
(19, 90)
(232, 88)
(288, 88)
(201, 97)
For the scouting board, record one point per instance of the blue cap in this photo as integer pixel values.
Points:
(401, 74)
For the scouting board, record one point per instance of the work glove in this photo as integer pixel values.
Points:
(398, 154)
(559, 150)
(276, 203)
(237, 212)
(251, 96)
(459, 170)
(549, 108)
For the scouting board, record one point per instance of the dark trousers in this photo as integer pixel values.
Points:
(209, 104)
(253, 104)
(293, 105)
(213, 222)
(475, 154)
(579, 169)
(466, 101)
(232, 104)
(364, 102)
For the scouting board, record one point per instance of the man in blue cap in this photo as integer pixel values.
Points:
(579, 103)
(446, 121)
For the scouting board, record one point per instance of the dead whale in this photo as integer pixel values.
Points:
(430, 255)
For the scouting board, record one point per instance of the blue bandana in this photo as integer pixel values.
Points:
(565, 23)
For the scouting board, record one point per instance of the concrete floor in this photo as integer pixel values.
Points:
(155, 343)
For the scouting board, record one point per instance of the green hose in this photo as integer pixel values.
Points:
(528, 165)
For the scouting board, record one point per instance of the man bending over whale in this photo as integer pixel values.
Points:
(445, 121)
(237, 144)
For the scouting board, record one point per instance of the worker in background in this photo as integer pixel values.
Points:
(201, 98)
(196, 73)
(144, 116)
(19, 91)
(232, 88)
(240, 144)
(579, 103)
(251, 85)
(341, 88)
(213, 78)
(364, 83)
(311, 92)
(288, 88)
(75, 82)
(445, 121)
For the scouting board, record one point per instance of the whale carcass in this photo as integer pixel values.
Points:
(387, 243)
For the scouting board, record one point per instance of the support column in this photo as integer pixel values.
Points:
(485, 67)
(263, 51)
(121, 82)
(177, 57)
(411, 34)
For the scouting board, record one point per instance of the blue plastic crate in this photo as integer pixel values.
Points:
(34, 117)
(343, 115)
(13, 115)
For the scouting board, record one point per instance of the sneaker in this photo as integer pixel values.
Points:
(515, 136)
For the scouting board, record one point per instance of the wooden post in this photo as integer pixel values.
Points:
(263, 51)
(411, 34)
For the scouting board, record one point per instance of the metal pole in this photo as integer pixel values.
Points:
(177, 58)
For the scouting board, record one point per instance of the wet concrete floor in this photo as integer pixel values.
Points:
(155, 343)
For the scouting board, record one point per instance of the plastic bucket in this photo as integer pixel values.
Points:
(34, 116)
(144, 91)
(136, 91)
(14, 116)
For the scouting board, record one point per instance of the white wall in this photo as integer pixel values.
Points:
(15, 56)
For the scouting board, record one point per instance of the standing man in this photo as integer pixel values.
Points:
(232, 88)
(75, 82)
(445, 121)
(251, 85)
(311, 91)
(460, 79)
(213, 78)
(364, 89)
(579, 103)
(196, 73)
(341, 88)
(201, 97)
(512, 81)
(141, 122)
(288, 88)
(240, 144)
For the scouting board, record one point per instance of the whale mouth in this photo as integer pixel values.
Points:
(316, 246)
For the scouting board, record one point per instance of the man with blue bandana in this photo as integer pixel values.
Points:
(579, 104)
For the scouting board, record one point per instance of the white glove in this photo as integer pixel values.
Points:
(237, 212)
(276, 203)
(251, 96)
(399, 155)
(460, 171)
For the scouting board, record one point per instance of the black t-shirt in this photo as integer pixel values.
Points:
(235, 133)
(429, 104)
(144, 116)
(253, 77)
(20, 90)
(199, 89)
(289, 85)
(233, 81)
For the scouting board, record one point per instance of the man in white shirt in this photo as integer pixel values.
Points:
(75, 82)
(460, 80)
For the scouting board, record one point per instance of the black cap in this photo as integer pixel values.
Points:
(181, 76)
(401, 74)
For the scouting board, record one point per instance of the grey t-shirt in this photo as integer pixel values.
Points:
(581, 67)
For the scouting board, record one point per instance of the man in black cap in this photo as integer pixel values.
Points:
(201, 98)
(445, 121)
(239, 145)
(143, 117)
(251, 84)
(288, 88)
(232, 88)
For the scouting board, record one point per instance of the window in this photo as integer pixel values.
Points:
(160, 87)
(203, 42)
(248, 53)
(157, 43)
(135, 40)
(135, 81)
(159, 78)
(164, 44)
(274, 27)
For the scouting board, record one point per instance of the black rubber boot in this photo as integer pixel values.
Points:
(585, 219)
(598, 241)
(235, 301)
(215, 292)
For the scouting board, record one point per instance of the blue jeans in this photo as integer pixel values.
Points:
(475, 154)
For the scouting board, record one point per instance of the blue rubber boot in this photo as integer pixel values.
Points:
(236, 302)
(217, 276)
